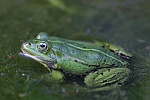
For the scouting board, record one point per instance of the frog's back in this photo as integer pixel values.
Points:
(85, 53)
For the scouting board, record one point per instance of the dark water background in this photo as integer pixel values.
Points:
(122, 22)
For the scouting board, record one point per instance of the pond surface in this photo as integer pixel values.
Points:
(125, 23)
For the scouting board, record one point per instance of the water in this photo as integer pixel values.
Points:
(125, 23)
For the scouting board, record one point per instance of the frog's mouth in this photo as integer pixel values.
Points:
(37, 58)
(26, 54)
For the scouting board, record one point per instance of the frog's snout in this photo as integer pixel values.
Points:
(27, 45)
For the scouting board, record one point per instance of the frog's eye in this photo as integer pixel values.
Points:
(42, 46)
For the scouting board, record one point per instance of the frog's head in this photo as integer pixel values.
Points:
(39, 50)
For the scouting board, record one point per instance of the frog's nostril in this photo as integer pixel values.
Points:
(29, 44)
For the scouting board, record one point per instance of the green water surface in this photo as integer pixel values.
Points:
(122, 22)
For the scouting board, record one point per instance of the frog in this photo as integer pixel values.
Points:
(102, 65)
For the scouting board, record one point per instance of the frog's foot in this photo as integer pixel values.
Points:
(114, 48)
(107, 78)
(54, 77)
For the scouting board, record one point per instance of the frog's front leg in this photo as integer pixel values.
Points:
(116, 49)
(107, 78)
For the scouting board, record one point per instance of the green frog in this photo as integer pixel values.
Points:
(103, 65)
